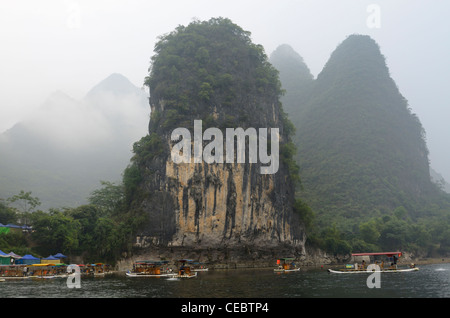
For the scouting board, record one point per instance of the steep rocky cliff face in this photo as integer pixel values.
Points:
(211, 72)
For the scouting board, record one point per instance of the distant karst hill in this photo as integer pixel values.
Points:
(361, 150)
(63, 150)
(295, 77)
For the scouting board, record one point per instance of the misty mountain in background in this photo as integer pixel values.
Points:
(63, 150)
(361, 150)
(295, 77)
(439, 180)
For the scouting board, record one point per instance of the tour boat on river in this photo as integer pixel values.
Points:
(288, 265)
(150, 269)
(185, 270)
(387, 264)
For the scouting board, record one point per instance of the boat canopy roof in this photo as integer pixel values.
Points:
(389, 254)
(185, 260)
(151, 262)
(51, 257)
(28, 256)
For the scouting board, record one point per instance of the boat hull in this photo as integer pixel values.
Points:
(278, 270)
(349, 271)
(150, 275)
(42, 277)
(191, 275)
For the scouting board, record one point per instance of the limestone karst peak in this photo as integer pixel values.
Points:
(115, 83)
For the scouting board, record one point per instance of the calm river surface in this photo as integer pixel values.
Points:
(431, 281)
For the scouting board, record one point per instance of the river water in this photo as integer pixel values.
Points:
(431, 281)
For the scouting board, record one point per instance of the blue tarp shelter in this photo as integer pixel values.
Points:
(5, 259)
(13, 226)
(7, 227)
(14, 255)
(28, 260)
(50, 260)
(59, 255)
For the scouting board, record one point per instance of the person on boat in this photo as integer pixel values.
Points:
(363, 265)
(182, 269)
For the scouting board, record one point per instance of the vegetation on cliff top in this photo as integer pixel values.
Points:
(210, 64)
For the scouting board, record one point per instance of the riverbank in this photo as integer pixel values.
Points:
(246, 258)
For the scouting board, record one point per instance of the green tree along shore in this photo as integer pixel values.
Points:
(359, 152)
(96, 232)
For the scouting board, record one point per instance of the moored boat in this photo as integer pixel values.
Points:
(41, 271)
(35, 271)
(50, 270)
(387, 264)
(9, 272)
(198, 267)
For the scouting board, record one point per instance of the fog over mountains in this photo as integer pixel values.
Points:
(62, 151)
(65, 148)
(362, 152)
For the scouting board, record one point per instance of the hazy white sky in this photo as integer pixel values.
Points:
(71, 45)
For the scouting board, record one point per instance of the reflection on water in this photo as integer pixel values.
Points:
(431, 281)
